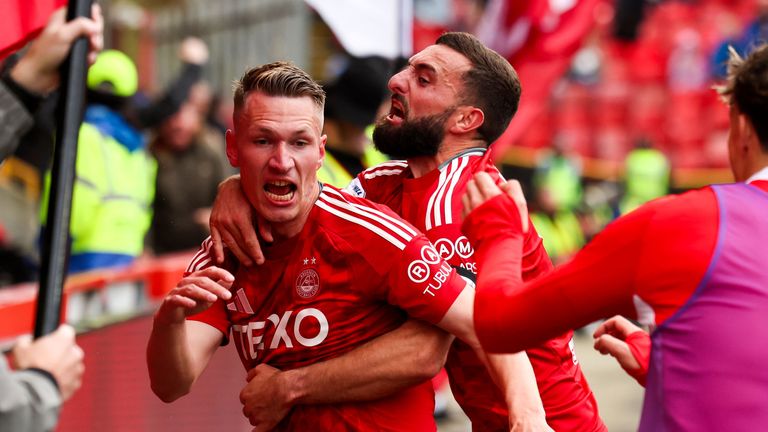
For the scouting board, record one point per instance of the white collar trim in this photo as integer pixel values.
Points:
(760, 175)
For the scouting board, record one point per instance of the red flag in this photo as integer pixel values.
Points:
(22, 20)
(539, 38)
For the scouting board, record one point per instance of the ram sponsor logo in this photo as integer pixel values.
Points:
(287, 330)
(464, 248)
(418, 271)
(445, 248)
(430, 255)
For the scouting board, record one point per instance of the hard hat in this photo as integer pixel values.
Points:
(116, 69)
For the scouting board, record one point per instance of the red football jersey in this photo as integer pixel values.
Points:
(345, 279)
(432, 203)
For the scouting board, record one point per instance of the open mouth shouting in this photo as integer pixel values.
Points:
(280, 190)
(397, 110)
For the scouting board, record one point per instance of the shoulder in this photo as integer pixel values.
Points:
(377, 177)
(688, 206)
(386, 169)
(359, 220)
(204, 259)
(674, 219)
(89, 131)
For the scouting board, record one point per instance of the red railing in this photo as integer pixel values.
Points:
(116, 395)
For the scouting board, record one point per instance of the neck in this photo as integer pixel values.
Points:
(449, 149)
(743, 170)
(293, 228)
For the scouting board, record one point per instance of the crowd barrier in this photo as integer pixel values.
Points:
(112, 311)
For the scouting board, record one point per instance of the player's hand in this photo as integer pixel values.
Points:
(265, 398)
(232, 225)
(482, 188)
(194, 294)
(611, 339)
(56, 353)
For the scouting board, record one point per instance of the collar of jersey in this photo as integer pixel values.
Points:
(285, 247)
(460, 154)
(760, 175)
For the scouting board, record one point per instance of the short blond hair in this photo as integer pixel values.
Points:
(278, 79)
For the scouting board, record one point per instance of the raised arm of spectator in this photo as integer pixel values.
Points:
(194, 55)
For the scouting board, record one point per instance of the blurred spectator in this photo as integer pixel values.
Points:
(353, 100)
(646, 176)
(25, 86)
(687, 66)
(557, 184)
(755, 33)
(212, 130)
(49, 370)
(115, 182)
(193, 54)
(190, 166)
(560, 174)
(46, 373)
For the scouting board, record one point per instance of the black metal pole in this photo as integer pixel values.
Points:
(55, 248)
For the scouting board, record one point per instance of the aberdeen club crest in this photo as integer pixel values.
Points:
(308, 283)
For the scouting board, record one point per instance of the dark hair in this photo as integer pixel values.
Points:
(491, 84)
(747, 88)
(278, 79)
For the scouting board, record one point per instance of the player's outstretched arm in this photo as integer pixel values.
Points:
(178, 349)
(406, 356)
(512, 373)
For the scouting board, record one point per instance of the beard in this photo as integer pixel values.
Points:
(412, 138)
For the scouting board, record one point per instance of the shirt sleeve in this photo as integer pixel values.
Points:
(15, 120)
(216, 316)
(29, 401)
(422, 283)
(639, 344)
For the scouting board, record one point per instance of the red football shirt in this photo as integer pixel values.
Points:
(644, 265)
(344, 280)
(433, 204)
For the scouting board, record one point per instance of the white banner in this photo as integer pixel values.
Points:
(367, 28)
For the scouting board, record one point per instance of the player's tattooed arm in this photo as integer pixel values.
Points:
(406, 356)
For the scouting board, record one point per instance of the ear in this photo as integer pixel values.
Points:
(467, 119)
(750, 138)
(323, 139)
(231, 140)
